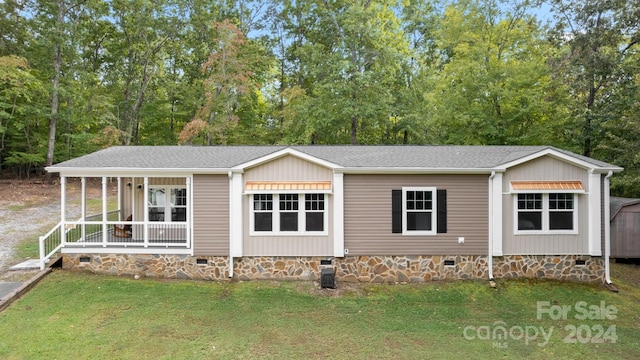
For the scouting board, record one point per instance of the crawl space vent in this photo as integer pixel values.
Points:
(581, 262)
(202, 261)
(449, 262)
(85, 259)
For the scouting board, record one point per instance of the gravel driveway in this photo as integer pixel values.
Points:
(28, 210)
(19, 224)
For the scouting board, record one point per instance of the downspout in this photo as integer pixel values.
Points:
(607, 228)
(490, 256)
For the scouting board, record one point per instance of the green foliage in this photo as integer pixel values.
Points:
(493, 85)
(318, 72)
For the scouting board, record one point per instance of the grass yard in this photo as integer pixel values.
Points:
(83, 316)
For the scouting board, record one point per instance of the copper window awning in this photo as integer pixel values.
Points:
(287, 186)
(547, 186)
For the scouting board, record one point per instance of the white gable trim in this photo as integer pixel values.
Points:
(285, 152)
(558, 155)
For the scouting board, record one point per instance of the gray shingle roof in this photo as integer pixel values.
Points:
(349, 156)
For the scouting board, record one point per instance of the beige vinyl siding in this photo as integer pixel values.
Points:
(287, 168)
(551, 169)
(211, 215)
(367, 220)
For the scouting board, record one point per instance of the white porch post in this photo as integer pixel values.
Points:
(189, 228)
(105, 228)
(63, 206)
(146, 211)
(338, 214)
(120, 199)
(83, 206)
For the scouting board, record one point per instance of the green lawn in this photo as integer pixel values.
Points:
(82, 316)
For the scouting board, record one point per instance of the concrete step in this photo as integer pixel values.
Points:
(31, 264)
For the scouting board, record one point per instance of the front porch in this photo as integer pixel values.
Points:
(131, 214)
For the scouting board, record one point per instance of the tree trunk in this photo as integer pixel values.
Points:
(57, 65)
(354, 130)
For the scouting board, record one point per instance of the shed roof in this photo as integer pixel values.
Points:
(347, 156)
(617, 203)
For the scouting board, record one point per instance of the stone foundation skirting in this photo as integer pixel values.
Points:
(364, 269)
(562, 267)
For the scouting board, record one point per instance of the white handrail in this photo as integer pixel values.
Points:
(44, 257)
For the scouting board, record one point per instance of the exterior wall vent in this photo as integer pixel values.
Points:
(325, 262)
(202, 261)
(84, 259)
(580, 262)
(449, 263)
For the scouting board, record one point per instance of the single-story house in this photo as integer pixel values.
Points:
(371, 213)
(625, 228)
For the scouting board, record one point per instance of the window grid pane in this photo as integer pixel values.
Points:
(560, 201)
(262, 202)
(288, 202)
(529, 201)
(314, 202)
(420, 200)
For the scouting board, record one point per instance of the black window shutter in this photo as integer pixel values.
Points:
(442, 211)
(396, 211)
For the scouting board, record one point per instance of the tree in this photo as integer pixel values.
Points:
(348, 55)
(598, 37)
(491, 83)
(18, 87)
(229, 77)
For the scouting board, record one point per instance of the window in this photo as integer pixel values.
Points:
(263, 212)
(288, 212)
(546, 212)
(419, 211)
(560, 211)
(295, 214)
(314, 212)
(529, 211)
(178, 204)
(173, 208)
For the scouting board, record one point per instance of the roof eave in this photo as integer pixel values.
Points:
(114, 172)
(416, 170)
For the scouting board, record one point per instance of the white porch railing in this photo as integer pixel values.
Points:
(94, 232)
(50, 244)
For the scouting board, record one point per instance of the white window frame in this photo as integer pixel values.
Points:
(275, 218)
(434, 210)
(168, 205)
(545, 215)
